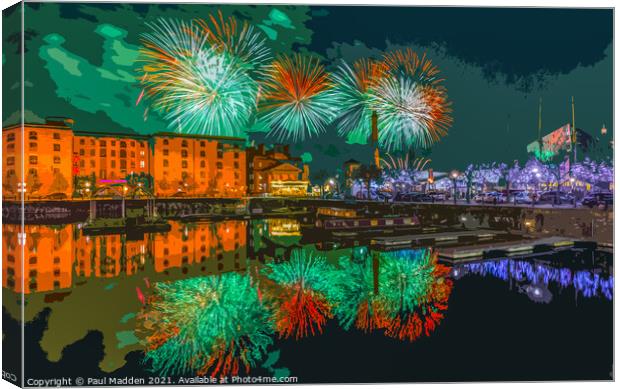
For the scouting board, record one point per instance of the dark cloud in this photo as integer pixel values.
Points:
(517, 42)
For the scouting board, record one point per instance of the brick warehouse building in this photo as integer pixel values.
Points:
(60, 162)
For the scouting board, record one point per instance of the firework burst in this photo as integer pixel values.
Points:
(297, 102)
(355, 90)
(207, 325)
(240, 41)
(300, 303)
(416, 293)
(392, 163)
(199, 87)
(410, 114)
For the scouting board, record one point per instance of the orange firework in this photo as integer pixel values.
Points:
(303, 312)
(240, 41)
(296, 99)
(407, 62)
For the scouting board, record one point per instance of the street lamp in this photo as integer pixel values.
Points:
(454, 174)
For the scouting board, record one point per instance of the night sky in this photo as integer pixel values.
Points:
(81, 61)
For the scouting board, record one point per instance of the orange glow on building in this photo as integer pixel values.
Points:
(109, 157)
(198, 166)
(220, 247)
(275, 172)
(58, 257)
(46, 160)
(62, 163)
(48, 258)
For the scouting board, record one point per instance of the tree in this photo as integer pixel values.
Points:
(320, 176)
(163, 184)
(33, 183)
(187, 183)
(367, 174)
(59, 183)
(10, 182)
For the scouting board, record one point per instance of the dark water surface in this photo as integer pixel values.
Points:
(259, 299)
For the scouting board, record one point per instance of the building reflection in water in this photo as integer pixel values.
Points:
(58, 257)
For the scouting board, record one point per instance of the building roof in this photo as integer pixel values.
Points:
(38, 125)
(198, 136)
(284, 167)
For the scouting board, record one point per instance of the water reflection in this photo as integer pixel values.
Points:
(535, 278)
(206, 325)
(215, 298)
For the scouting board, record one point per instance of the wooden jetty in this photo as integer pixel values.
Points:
(436, 239)
(520, 247)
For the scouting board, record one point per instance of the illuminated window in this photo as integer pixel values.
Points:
(142, 164)
(57, 160)
(184, 164)
(183, 153)
(10, 161)
(33, 160)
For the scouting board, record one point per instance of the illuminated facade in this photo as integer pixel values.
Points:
(276, 173)
(198, 166)
(109, 157)
(46, 160)
(62, 163)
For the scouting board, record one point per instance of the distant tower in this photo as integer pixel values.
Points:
(540, 123)
(574, 133)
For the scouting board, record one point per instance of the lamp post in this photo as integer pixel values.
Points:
(454, 174)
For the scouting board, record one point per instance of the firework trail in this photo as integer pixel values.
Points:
(297, 102)
(199, 88)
